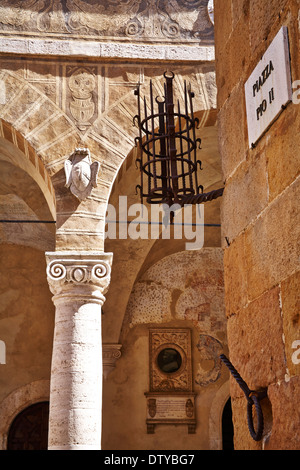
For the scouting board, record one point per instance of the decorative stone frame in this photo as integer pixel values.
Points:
(180, 340)
(171, 399)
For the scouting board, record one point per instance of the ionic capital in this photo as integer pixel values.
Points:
(83, 274)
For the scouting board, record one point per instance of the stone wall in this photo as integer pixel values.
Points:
(26, 325)
(260, 220)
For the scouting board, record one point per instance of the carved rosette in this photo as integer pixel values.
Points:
(79, 273)
(110, 354)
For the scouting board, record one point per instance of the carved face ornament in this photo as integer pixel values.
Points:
(82, 84)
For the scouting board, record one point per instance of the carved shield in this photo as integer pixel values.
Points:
(81, 173)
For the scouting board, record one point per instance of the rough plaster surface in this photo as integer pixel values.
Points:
(183, 286)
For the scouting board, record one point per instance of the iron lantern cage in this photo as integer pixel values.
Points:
(167, 148)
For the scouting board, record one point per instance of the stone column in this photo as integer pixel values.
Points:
(78, 281)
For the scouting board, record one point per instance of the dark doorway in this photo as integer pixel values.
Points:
(29, 430)
(227, 427)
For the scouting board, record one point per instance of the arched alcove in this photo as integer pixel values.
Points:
(18, 400)
(227, 427)
(29, 429)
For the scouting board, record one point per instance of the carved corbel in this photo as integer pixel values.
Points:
(81, 173)
(110, 354)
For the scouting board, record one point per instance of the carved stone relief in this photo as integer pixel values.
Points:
(170, 399)
(81, 173)
(163, 378)
(66, 271)
(185, 20)
(110, 354)
(82, 89)
(210, 349)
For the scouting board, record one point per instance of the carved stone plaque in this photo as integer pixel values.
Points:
(171, 399)
(81, 95)
(176, 408)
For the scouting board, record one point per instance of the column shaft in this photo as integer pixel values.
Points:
(78, 282)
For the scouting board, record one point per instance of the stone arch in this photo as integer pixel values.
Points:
(215, 416)
(53, 135)
(16, 149)
(17, 401)
(27, 194)
(29, 430)
(37, 118)
(182, 290)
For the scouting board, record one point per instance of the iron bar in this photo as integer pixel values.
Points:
(153, 134)
(181, 148)
(171, 134)
(163, 149)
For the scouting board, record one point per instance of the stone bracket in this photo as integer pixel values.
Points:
(111, 352)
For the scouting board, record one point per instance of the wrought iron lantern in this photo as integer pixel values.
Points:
(167, 149)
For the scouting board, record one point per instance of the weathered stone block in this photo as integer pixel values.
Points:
(223, 29)
(240, 11)
(283, 162)
(272, 243)
(263, 17)
(235, 276)
(232, 131)
(255, 342)
(223, 71)
(284, 397)
(291, 322)
(245, 196)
